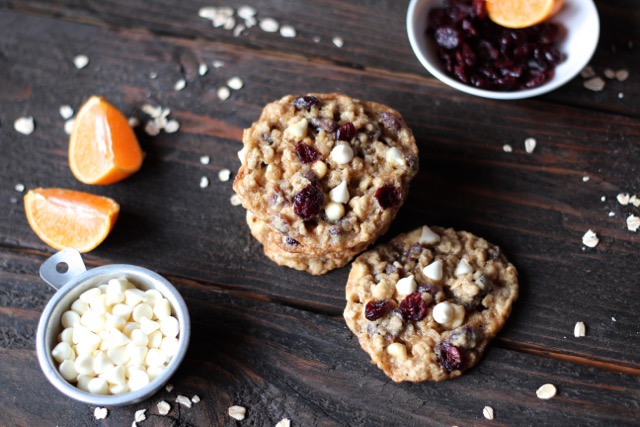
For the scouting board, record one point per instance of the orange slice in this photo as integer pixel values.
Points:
(521, 13)
(70, 219)
(103, 148)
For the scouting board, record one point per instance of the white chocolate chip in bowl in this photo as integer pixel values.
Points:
(130, 339)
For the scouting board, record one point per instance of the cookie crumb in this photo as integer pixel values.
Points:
(237, 412)
(100, 413)
(24, 125)
(595, 84)
(338, 41)
(204, 182)
(163, 407)
(205, 160)
(224, 175)
(285, 422)
(81, 61)
(140, 416)
(633, 222)
(579, 330)
(19, 187)
(224, 93)
(546, 391)
(66, 112)
(590, 239)
(623, 198)
(180, 84)
(235, 200)
(530, 145)
(183, 400)
(487, 411)
(507, 148)
(235, 83)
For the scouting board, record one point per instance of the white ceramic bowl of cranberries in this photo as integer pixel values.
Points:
(581, 31)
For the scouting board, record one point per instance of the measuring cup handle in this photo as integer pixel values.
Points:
(61, 267)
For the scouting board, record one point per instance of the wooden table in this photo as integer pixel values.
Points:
(273, 339)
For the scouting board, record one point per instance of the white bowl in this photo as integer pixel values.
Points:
(579, 17)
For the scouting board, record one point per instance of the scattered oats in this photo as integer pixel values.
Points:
(288, 31)
(235, 200)
(172, 126)
(163, 407)
(590, 239)
(634, 200)
(195, 398)
(183, 400)
(579, 330)
(19, 187)
(530, 145)
(140, 416)
(169, 387)
(546, 391)
(66, 112)
(585, 178)
(633, 222)
(621, 95)
(68, 126)
(224, 93)
(246, 12)
(603, 198)
(229, 24)
(609, 73)
(134, 122)
(316, 39)
(285, 422)
(180, 84)
(235, 83)
(487, 411)
(203, 69)
(204, 182)
(622, 75)
(338, 41)
(507, 148)
(587, 72)
(623, 198)
(612, 213)
(595, 84)
(238, 30)
(100, 413)
(24, 125)
(269, 25)
(151, 128)
(237, 412)
(218, 63)
(153, 75)
(205, 160)
(81, 61)
(224, 175)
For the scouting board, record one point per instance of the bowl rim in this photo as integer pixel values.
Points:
(418, 45)
(89, 279)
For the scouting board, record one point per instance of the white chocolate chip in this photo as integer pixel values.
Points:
(139, 416)
(203, 69)
(224, 175)
(205, 160)
(69, 319)
(297, 129)
(138, 378)
(406, 285)
(149, 326)
(19, 187)
(24, 125)
(180, 84)
(235, 200)
(237, 412)
(433, 271)
(285, 422)
(334, 211)
(84, 364)
(235, 83)
(68, 126)
(623, 198)
(170, 326)
(155, 357)
(100, 413)
(590, 239)
(195, 398)
(183, 400)
(507, 148)
(81, 61)
(397, 350)
(269, 25)
(579, 330)
(340, 194)
(463, 268)
(633, 223)
(66, 112)
(428, 236)
(172, 126)
(546, 391)
(342, 154)
(287, 31)
(223, 93)
(530, 145)
(98, 386)
(141, 311)
(443, 313)
(162, 309)
(169, 346)
(487, 411)
(395, 157)
(163, 407)
(338, 41)
(68, 370)
(204, 182)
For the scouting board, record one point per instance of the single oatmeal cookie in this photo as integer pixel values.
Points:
(325, 171)
(425, 305)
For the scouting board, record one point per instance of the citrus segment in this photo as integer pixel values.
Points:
(70, 219)
(102, 148)
(521, 13)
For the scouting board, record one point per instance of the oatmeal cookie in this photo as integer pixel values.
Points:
(425, 305)
(326, 171)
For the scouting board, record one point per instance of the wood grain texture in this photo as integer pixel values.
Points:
(272, 338)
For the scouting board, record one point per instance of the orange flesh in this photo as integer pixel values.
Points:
(521, 13)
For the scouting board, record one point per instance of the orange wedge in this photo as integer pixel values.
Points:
(521, 13)
(70, 219)
(103, 148)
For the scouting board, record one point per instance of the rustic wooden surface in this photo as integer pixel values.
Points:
(273, 339)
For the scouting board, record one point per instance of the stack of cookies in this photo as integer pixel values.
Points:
(322, 177)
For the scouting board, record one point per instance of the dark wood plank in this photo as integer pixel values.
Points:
(357, 23)
(536, 206)
(279, 361)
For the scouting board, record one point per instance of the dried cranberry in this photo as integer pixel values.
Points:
(447, 37)
(376, 309)
(291, 241)
(390, 121)
(306, 102)
(449, 356)
(428, 288)
(308, 202)
(413, 307)
(345, 132)
(413, 253)
(388, 196)
(306, 153)
(326, 125)
(478, 9)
